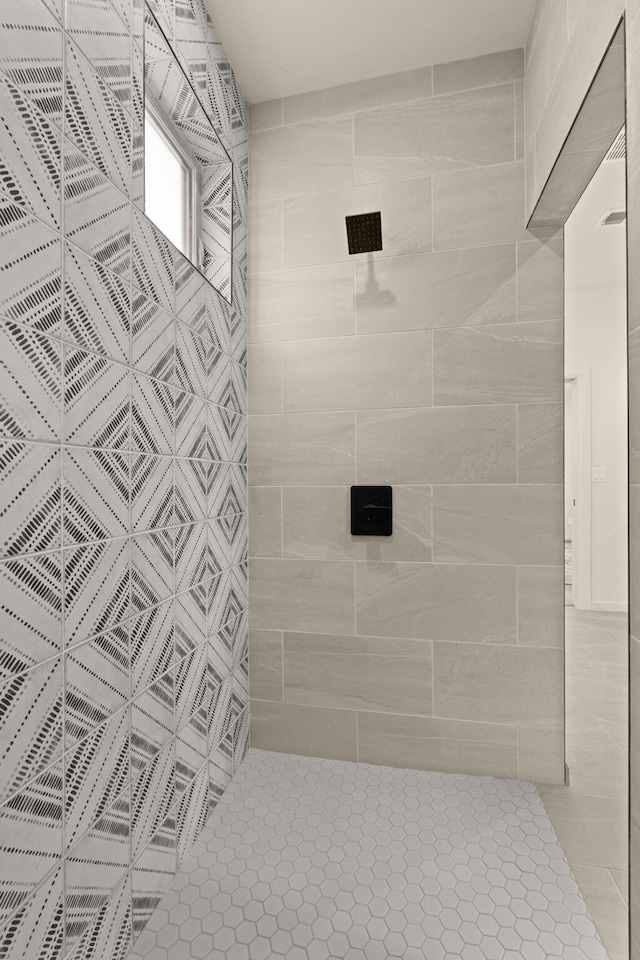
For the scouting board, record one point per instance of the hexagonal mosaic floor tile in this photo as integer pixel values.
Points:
(311, 859)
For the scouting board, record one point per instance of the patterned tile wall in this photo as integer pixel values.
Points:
(123, 585)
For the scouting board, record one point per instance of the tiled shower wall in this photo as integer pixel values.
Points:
(123, 587)
(435, 366)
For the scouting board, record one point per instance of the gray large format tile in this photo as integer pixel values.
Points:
(452, 288)
(307, 731)
(358, 673)
(478, 71)
(503, 363)
(520, 119)
(541, 442)
(431, 743)
(352, 861)
(435, 601)
(439, 445)
(316, 522)
(593, 830)
(541, 279)
(265, 236)
(315, 596)
(309, 448)
(541, 606)
(265, 664)
(264, 369)
(314, 226)
(634, 395)
(498, 683)
(358, 373)
(265, 521)
(607, 907)
(480, 206)
(361, 95)
(499, 524)
(302, 303)
(263, 116)
(437, 135)
(541, 751)
(307, 158)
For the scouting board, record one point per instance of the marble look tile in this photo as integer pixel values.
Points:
(358, 373)
(308, 158)
(634, 902)
(504, 363)
(361, 95)
(263, 116)
(317, 523)
(634, 398)
(541, 442)
(358, 673)
(314, 226)
(498, 683)
(599, 116)
(308, 448)
(435, 601)
(571, 176)
(541, 752)
(304, 731)
(634, 704)
(307, 595)
(592, 830)
(520, 136)
(520, 524)
(541, 279)
(439, 445)
(607, 907)
(264, 370)
(479, 71)
(302, 304)
(481, 206)
(437, 135)
(541, 606)
(453, 288)
(430, 743)
(265, 664)
(265, 521)
(265, 236)
(546, 45)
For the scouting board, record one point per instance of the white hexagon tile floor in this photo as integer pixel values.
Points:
(311, 859)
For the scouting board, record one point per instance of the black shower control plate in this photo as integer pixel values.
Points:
(364, 232)
(371, 512)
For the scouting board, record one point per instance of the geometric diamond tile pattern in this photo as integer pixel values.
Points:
(123, 583)
(309, 859)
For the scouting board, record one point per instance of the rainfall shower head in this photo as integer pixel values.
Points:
(364, 232)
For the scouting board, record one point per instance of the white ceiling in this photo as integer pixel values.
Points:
(282, 47)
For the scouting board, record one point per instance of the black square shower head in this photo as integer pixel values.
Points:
(364, 232)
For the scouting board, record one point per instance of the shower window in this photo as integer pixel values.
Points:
(172, 189)
(188, 172)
